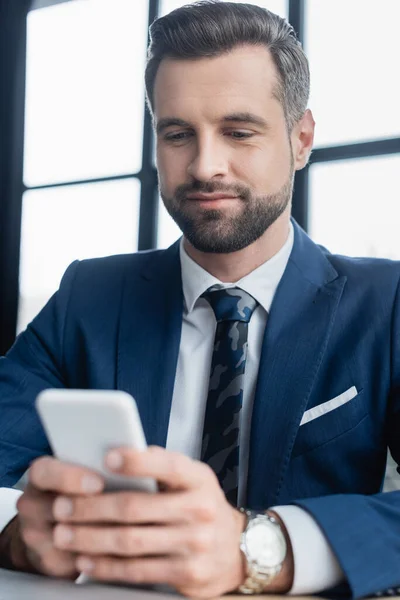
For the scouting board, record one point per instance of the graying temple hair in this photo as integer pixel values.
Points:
(210, 28)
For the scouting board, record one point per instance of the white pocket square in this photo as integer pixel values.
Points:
(325, 407)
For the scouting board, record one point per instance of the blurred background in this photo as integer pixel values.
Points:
(77, 171)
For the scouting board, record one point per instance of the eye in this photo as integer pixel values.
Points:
(240, 135)
(177, 137)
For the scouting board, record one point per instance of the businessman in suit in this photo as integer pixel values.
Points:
(265, 369)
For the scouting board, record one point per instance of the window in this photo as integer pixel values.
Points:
(85, 90)
(277, 6)
(352, 48)
(354, 206)
(168, 230)
(83, 121)
(60, 225)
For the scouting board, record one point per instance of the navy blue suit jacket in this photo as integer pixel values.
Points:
(115, 323)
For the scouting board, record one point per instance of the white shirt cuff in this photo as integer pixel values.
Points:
(8, 505)
(315, 566)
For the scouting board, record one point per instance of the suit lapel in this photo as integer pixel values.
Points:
(149, 338)
(296, 336)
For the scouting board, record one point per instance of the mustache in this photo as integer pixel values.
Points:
(209, 187)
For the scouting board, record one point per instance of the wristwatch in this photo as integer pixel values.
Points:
(264, 547)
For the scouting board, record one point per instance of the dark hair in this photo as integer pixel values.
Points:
(212, 27)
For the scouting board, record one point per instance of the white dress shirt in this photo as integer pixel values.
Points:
(315, 566)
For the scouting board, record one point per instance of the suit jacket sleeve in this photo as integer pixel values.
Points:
(35, 362)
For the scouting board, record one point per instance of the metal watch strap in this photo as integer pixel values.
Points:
(258, 578)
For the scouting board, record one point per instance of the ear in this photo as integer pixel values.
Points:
(302, 138)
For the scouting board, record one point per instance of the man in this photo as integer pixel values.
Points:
(288, 411)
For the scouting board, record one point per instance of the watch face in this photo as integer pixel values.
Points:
(265, 544)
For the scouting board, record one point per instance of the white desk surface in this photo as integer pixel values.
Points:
(21, 586)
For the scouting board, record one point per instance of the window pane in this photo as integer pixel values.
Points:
(277, 6)
(62, 224)
(168, 231)
(85, 90)
(353, 53)
(355, 208)
(392, 477)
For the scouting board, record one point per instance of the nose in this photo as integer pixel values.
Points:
(209, 161)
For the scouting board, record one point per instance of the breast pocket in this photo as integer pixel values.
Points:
(329, 420)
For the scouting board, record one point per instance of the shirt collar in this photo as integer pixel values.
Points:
(260, 283)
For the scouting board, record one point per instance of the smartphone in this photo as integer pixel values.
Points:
(83, 425)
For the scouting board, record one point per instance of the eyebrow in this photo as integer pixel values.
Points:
(169, 122)
(246, 117)
(238, 117)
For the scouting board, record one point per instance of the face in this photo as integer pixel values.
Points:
(224, 155)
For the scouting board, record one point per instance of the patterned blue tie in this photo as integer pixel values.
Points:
(220, 448)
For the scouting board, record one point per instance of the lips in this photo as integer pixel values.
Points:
(209, 197)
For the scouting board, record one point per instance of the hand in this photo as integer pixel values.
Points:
(187, 537)
(33, 545)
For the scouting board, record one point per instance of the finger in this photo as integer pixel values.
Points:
(129, 507)
(127, 541)
(35, 506)
(169, 570)
(175, 470)
(50, 474)
(43, 554)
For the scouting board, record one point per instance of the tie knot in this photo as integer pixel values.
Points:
(230, 304)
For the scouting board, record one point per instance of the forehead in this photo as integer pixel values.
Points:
(243, 79)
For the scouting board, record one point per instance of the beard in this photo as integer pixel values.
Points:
(220, 231)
